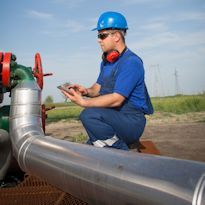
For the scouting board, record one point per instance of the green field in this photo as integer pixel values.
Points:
(180, 104)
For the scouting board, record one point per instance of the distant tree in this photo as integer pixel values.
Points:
(49, 99)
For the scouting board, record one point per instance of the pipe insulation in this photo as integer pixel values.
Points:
(98, 175)
(5, 153)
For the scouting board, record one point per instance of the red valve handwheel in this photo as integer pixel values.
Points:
(1, 91)
(38, 71)
(6, 68)
(1, 56)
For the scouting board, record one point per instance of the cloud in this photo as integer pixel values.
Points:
(57, 27)
(148, 27)
(74, 26)
(131, 2)
(40, 15)
(187, 16)
(154, 41)
(154, 26)
(181, 16)
(69, 3)
(63, 27)
(170, 40)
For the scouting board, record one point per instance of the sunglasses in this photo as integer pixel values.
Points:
(103, 36)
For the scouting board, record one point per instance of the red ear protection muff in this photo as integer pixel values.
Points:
(111, 56)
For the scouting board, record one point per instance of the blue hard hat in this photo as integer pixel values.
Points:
(111, 20)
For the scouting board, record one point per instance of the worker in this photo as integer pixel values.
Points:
(116, 104)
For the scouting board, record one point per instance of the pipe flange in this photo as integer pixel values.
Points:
(1, 76)
(6, 69)
(1, 86)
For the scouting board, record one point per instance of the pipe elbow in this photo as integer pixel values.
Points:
(5, 150)
(25, 116)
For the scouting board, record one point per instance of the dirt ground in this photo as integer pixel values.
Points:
(179, 136)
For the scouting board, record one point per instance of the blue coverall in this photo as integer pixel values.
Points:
(120, 126)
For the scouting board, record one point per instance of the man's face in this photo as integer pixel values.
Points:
(106, 40)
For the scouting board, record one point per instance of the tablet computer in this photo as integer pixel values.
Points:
(64, 87)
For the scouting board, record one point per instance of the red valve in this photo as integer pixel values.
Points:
(38, 71)
(6, 60)
(44, 115)
(1, 90)
(1, 57)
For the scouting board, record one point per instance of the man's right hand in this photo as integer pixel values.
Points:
(79, 88)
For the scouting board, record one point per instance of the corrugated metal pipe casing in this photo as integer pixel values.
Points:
(25, 118)
(98, 175)
(5, 153)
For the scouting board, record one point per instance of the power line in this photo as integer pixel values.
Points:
(157, 82)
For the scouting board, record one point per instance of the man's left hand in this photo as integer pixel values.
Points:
(74, 96)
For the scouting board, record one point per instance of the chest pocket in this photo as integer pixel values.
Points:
(108, 84)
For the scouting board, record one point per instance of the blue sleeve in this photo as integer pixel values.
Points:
(129, 76)
(99, 79)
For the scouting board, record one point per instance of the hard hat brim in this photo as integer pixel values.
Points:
(94, 29)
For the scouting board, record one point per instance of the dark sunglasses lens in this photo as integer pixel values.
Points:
(103, 36)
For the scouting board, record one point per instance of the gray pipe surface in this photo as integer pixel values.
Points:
(98, 175)
(5, 153)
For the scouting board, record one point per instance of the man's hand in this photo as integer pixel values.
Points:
(80, 89)
(109, 100)
(74, 96)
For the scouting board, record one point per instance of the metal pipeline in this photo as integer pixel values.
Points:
(5, 153)
(98, 175)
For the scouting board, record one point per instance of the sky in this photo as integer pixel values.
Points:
(169, 35)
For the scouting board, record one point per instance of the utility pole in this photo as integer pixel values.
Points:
(157, 80)
(177, 90)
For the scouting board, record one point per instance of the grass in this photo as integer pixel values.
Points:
(80, 138)
(60, 104)
(180, 104)
(70, 112)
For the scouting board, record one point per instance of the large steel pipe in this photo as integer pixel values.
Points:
(5, 153)
(98, 175)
